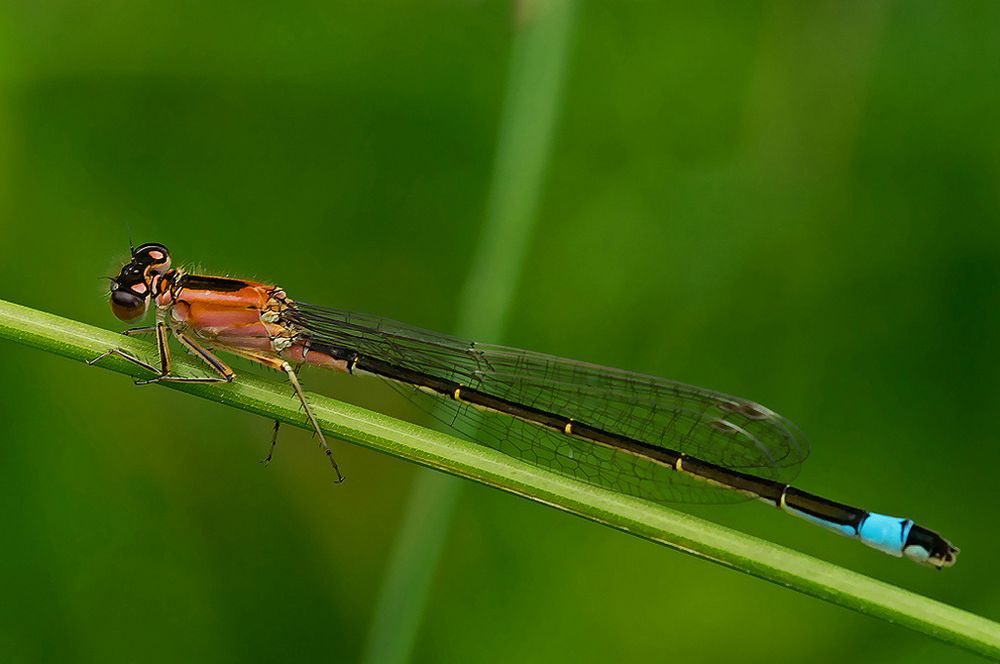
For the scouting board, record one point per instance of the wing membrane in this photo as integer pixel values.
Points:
(712, 426)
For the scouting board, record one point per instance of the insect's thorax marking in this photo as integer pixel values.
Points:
(231, 312)
(284, 333)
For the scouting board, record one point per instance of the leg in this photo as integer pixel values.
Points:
(138, 330)
(294, 380)
(128, 356)
(274, 441)
(278, 363)
(125, 355)
(225, 373)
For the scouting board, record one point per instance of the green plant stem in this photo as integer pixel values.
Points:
(272, 399)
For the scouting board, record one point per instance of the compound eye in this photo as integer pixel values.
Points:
(153, 257)
(127, 306)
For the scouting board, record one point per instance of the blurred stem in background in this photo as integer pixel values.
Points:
(539, 54)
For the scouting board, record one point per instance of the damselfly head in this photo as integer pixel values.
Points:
(132, 288)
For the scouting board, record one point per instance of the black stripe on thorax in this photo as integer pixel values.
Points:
(203, 282)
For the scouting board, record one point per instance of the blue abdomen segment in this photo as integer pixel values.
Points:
(885, 533)
(890, 534)
(879, 531)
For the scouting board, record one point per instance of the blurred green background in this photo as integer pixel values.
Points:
(797, 204)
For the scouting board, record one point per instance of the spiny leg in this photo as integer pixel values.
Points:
(294, 380)
(139, 330)
(277, 363)
(125, 354)
(207, 356)
(225, 373)
(274, 441)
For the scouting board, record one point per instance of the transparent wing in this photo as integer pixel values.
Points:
(714, 427)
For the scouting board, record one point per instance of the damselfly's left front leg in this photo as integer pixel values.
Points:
(125, 354)
(163, 348)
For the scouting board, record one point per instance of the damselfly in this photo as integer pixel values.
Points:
(648, 437)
